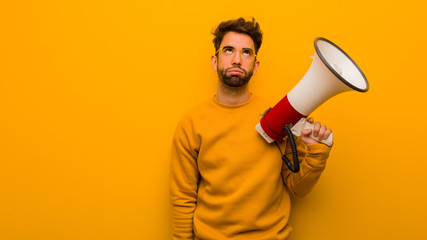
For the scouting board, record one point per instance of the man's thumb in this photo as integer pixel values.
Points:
(306, 132)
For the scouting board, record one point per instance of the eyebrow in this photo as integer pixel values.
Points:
(227, 47)
(242, 48)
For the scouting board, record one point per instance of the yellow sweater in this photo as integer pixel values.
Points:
(227, 182)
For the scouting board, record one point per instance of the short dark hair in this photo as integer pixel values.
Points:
(240, 25)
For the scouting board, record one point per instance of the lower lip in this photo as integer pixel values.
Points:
(235, 73)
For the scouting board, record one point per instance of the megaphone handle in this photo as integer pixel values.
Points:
(304, 124)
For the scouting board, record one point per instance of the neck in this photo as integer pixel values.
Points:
(232, 95)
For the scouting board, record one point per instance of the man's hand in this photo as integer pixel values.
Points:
(320, 132)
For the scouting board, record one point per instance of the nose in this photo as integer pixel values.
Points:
(237, 58)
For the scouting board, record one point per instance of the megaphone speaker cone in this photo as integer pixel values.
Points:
(341, 64)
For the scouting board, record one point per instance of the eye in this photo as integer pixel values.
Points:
(247, 52)
(228, 50)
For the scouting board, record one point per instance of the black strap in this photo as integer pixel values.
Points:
(295, 166)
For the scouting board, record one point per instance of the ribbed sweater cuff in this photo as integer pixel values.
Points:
(317, 155)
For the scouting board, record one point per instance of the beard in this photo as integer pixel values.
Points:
(234, 80)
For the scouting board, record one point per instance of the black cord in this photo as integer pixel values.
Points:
(295, 166)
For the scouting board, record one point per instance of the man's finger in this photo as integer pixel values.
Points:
(327, 133)
(322, 131)
(316, 129)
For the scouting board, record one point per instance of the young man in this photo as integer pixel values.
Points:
(227, 182)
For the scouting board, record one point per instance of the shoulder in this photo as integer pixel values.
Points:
(261, 102)
(195, 114)
(261, 99)
(197, 111)
(187, 128)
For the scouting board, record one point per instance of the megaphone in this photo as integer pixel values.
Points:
(331, 72)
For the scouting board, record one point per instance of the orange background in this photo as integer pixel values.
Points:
(91, 91)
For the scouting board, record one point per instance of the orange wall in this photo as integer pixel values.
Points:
(90, 92)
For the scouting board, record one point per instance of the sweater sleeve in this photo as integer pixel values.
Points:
(184, 177)
(312, 160)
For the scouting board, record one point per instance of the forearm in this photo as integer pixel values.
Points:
(184, 177)
(182, 222)
(183, 192)
(312, 163)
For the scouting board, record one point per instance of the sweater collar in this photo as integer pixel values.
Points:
(242, 106)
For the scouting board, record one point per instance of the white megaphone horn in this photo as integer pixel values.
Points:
(332, 72)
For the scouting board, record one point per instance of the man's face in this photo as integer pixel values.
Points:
(235, 64)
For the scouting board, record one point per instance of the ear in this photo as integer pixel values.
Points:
(256, 65)
(214, 63)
